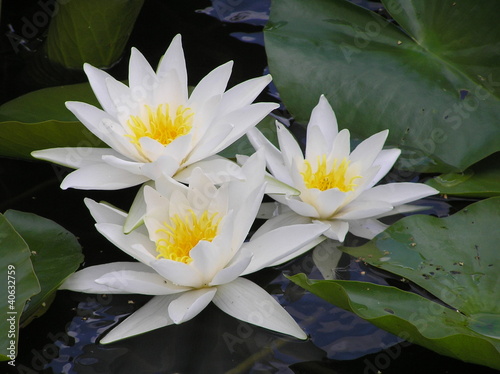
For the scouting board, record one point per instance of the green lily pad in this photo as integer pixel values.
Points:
(19, 283)
(91, 31)
(434, 86)
(480, 180)
(55, 254)
(453, 258)
(47, 123)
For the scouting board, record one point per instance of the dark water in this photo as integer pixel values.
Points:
(65, 340)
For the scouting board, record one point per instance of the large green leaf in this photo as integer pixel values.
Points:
(410, 316)
(432, 84)
(453, 258)
(55, 254)
(19, 283)
(91, 31)
(39, 120)
(480, 180)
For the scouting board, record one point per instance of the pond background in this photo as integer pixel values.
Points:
(63, 340)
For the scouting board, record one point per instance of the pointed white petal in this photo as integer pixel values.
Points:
(151, 148)
(328, 201)
(214, 83)
(276, 187)
(274, 158)
(208, 259)
(135, 217)
(326, 257)
(385, 160)
(74, 157)
(97, 79)
(324, 118)
(366, 228)
(101, 177)
(274, 245)
(132, 167)
(134, 244)
(300, 207)
(105, 213)
(341, 147)
(290, 149)
(284, 219)
(338, 229)
(234, 269)
(178, 273)
(367, 151)
(217, 168)
(141, 77)
(248, 302)
(174, 60)
(398, 193)
(363, 209)
(139, 282)
(151, 316)
(243, 94)
(125, 103)
(189, 304)
(316, 145)
(210, 144)
(84, 280)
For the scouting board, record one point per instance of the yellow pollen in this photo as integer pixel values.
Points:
(160, 125)
(183, 233)
(330, 176)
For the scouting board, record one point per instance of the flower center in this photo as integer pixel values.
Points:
(160, 125)
(328, 176)
(183, 233)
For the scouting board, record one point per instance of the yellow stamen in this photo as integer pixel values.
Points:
(183, 233)
(160, 125)
(328, 176)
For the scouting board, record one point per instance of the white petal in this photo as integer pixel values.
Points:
(208, 260)
(316, 145)
(363, 209)
(132, 167)
(174, 60)
(248, 302)
(328, 201)
(366, 228)
(97, 79)
(234, 269)
(105, 213)
(139, 282)
(84, 280)
(134, 244)
(135, 217)
(290, 149)
(301, 208)
(217, 168)
(141, 77)
(189, 304)
(74, 157)
(244, 119)
(243, 93)
(274, 158)
(385, 160)
(398, 193)
(338, 229)
(271, 246)
(367, 151)
(151, 148)
(341, 147)
(284, 219)
(125, 103)
(214, 83)
(210, 144)
(101, 177)
(178, 273)
(151, 316)
(326, 257)
(323, 117)
(300, 251)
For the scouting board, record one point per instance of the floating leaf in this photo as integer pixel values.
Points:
(47, 123)
(433, 85)
(480, 180)
(19, 283)
(91, 31)
(451, 258)
(55, 254)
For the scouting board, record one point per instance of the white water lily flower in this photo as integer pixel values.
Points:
(155, 128)
(191, 252)
(337, 186)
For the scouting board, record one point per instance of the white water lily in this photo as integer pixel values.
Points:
(154, 128)
(337, 186)
(192, 251)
